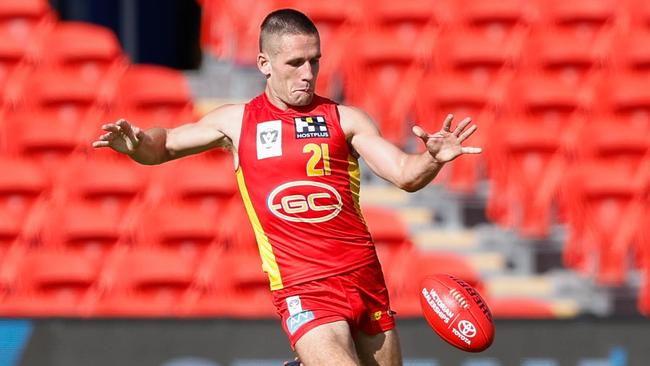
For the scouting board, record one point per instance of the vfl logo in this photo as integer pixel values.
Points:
(320, 206)
(269, 139)
(467, 328)
(268, 136)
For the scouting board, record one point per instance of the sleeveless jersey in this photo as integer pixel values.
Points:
(300, 185)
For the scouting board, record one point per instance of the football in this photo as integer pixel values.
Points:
(456, 312)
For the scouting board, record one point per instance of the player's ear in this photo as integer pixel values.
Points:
(264, 64)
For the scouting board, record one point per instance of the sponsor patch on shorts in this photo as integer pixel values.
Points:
(298, 320)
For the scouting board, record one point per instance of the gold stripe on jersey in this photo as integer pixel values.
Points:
(355, 184)
(269, 264)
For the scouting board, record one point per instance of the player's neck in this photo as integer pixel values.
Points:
(274, 100)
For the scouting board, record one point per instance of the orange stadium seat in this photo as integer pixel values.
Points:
(630, 56)
(389, 232)
(89, 50)
(639, 13)
(174, 226)
(605, 206)
(250, 297)
(521, 308)
(546, 100)
(392, 70)
(586, 18)
(154, 95)
(111, 185)
(565, 56)
(605, 141)
(79, 227)
(496, 19)
(22, 19)
(63, 95)
(145, 283)
(21, 189)
(13, 55)
(10, 230)
(235, 230)
(42, 137)
(51, 283)
(483, 60)
(233, 286)
(626, 98)
(409, 20)
(526, 171)
(207, 184)
(440, 95)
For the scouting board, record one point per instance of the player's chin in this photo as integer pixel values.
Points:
(302, 98)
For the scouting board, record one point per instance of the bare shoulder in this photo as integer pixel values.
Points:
(355, 120)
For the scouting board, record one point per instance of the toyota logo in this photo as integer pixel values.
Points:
(467, 328)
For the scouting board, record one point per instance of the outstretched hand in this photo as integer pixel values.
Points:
(446, 145)
(120, 136)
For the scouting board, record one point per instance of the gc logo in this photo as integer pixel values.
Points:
(467, 328)
(291, 202)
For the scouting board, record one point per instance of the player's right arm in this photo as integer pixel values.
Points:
(158, 145)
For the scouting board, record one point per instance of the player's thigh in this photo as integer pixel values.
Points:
(382, 349)
(327, 344)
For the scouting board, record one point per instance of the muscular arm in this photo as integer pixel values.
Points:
(158, 145)
(409, 172)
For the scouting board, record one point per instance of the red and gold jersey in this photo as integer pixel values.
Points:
(300, 185)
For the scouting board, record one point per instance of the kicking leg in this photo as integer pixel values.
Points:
(382, 349)
(328, 344)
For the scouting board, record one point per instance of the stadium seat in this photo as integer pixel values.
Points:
(389, 232)
(51, 283)
(23, 19)
(178, 227)
(643, 302)
(42, 137)
(235, 230)
(565, 56)
(626, 98)
(10, 230)
(90, 51)
(603, 140)
(251, 296)
(206, 184)
(13, 54)
(392, 70)
(145, 283)
(79, 227)
(629, 56)
(546, 100)
(639, 13)
(111, 185)
(162, 96)
(409, 20)
(526, 170)
(440, 95)
(63, 95)
(21, 189)
(483, 60)
(605, 206)
(586, 18)
(496, 19)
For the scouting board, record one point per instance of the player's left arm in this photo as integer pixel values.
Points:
(409, 172)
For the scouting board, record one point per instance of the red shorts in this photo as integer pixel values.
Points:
(359, 297)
